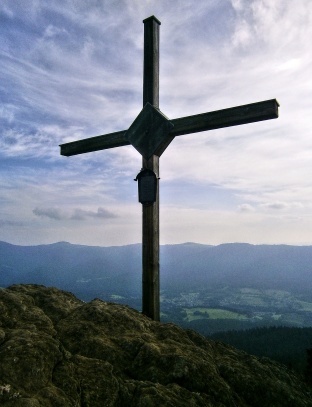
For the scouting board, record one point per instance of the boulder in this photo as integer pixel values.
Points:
(58, 351)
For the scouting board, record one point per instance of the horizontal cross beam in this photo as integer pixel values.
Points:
(233, 116)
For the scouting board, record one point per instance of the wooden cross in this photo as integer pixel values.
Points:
(150, 134)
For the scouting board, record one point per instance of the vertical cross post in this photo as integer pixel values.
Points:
(150, 214)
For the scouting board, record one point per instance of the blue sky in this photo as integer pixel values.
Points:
(72, 69)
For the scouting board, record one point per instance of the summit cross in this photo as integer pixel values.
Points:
(151, 133)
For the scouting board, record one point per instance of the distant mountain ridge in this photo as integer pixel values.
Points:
(91, 271)
(77, 268)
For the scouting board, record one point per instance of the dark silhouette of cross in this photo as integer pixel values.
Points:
(150, 134)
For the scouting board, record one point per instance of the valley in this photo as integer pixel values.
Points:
(207, 288)
(227, 308)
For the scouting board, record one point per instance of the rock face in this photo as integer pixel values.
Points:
(56, 351)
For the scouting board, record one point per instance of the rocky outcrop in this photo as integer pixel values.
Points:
(57, 351)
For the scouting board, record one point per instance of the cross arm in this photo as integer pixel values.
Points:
(233, 116)
(96, 143)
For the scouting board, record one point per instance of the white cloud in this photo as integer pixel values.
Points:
(53, 31)
(281, 205)
(7, 113)
(6, 11)
(275, 205)
(243, 34)
(101, 213)
(80, 75)
(51, 213)
(75, 214)
(246, 208)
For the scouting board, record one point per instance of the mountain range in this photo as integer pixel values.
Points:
(92, 272)
(207, 288)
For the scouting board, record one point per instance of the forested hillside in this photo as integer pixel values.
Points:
(283, 344)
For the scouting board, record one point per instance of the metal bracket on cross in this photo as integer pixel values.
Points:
(149, 133)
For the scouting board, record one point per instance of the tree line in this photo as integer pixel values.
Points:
(287, 345)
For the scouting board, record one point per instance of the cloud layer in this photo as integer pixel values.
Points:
(71, 70)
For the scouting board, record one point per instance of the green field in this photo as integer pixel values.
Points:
(306, 306)
(211, 313)
(116, 297)
(217, 309)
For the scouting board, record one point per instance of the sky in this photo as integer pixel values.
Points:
(72, 69)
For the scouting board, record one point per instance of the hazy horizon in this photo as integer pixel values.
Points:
(161, 244)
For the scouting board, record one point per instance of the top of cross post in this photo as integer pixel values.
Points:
(151, 18)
